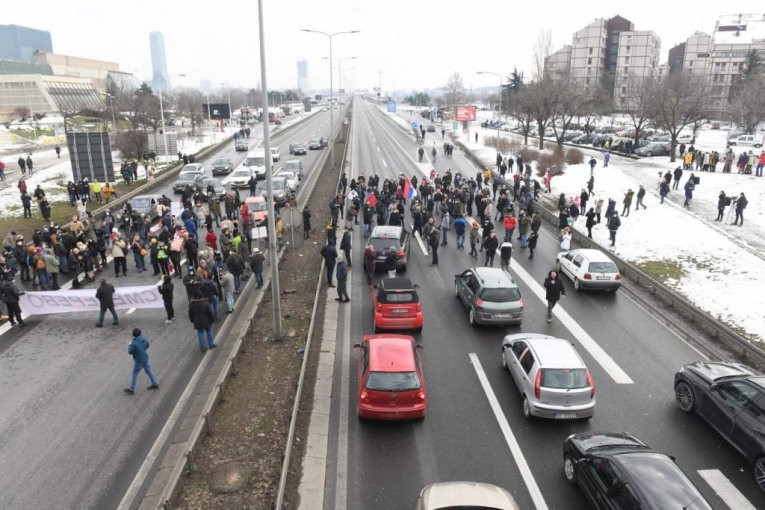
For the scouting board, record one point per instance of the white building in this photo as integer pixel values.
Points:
(637, 60)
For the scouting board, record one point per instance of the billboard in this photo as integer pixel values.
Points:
(91, 156)
(391, 106)
(217, 111)
(465, 113)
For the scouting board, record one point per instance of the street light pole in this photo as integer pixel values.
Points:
(499, 114)
(331, 85)
(275, 290)
(339, 68)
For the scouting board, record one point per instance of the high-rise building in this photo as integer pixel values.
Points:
(20, 43)
(637, 59)
(302, 76)
(160, 78)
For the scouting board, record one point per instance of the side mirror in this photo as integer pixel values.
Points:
(506, 344)
(417, 286)
(419, 346)
(356, 346)
(714, 387)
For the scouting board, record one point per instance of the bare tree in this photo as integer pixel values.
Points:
(189, 103)
(680, 101)
(542, 50)
(520, 108)
(23, 112)
(568, 99)
(747, 106)
(542, 105)
(455, 91)
(638, 103)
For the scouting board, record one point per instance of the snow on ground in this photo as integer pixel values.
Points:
(718, 275)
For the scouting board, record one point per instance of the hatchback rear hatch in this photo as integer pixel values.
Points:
(603, 271)
(565, 386)
(399, 304)
(501, 302)
(393, 389)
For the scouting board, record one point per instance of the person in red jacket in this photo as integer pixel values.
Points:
(212, 240)
(758, 172)
(510, 222)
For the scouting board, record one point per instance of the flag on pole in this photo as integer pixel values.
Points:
(409, 191)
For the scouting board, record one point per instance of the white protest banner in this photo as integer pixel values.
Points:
(259, 233)
(84, 300)
(176, 208)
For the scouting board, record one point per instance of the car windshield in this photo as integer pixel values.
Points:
(315, 141)
(221, 162)
(215, 182)
(602, 267)
(242, 173)
(191, 169)
(277, 185)
(255, 161)
(501, 295)
(140, 203)
(398, 297)
(564, 378)
(294, 167)
(187, 177)
(257, 206)
(393, 381)
(381, 244)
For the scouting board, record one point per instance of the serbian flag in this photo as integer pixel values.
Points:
(409, 191)
(371, 199)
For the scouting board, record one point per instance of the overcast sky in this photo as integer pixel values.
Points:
(403, 44)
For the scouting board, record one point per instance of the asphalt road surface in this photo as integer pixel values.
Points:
(69, 436)
(382, 465)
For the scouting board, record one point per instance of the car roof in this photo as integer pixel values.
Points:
(191, 166)
(396, 284)
(390, 231)
(553, 352)
(494, 277)
(466, 494)
(254, 200)
(391, 353)
(659, 479)
(593, 255)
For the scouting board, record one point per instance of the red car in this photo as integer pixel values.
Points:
(397, 305)
(391, 385)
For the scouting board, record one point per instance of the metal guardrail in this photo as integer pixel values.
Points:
(744, 348)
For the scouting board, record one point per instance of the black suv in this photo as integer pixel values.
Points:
(385, 238)
(617, 470)
(731, 397)
(297, 149)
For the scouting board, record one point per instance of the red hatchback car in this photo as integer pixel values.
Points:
(396, 305)
(391, 385)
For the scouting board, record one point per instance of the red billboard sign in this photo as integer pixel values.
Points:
(465, 113)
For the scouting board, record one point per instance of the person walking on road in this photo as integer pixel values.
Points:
(30, 165)
(490, 245)
(137, 348)
(505, 253)
(554, 289)
(329, 252)
(256, 265)
(342, 280)
(228, 287)
(627, 202)
(345, 245)
(433, 242)
(105, 296)
(565, 239)
(677, 174)
(475, 237)
(22, 165)
(201, 316)
(532, 243)
(166, 291)
(741, 204)
(690, 185)
(370, 261)
(119, 253)
(9, 293)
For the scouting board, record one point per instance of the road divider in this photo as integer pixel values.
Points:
(507, 432)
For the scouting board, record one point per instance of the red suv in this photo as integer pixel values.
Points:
(391, 385)
(397, 305)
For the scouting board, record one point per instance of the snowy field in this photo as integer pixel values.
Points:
(709, 265)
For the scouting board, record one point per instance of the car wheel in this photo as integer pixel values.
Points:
(686, 399)
(759, 473)
(526, 408)
(377, 330)
(504, 360)
(471, 317)
(560, 270)
(403, 268)
(569, 469)
(649, 154)
(418, 330)
(577, 284)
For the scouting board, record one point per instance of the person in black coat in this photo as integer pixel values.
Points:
(329, 252)
(741, 204)
(166, 291)
(554, 289)
(201, 315)
(345, 245)
(490, 244)
(531, 242)
(105, 296)
(591, 221)
(722, 203)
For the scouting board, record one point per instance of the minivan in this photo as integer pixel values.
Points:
(747, 141)
(256, 162)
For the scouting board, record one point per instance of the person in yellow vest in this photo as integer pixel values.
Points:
(95, 188)
(687, 160)
(108, 191)
(487, 175)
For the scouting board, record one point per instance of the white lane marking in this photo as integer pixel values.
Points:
(512, 443)
(392, 138)
(341, 483)
(728, 492)
(596, 351)
(129, 312)
(378, 148)
(384, 163)
(422, 246)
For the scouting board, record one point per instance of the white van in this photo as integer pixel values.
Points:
(256, 162)
(747, 141)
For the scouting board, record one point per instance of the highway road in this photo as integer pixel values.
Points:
(382, 465)
(69, 436)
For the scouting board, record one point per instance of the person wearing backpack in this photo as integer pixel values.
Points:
(137, 348)
(690, 185)
(741, 204)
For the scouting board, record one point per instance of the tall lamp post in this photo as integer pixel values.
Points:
(499, 113)
(331, 84)
(339, 68)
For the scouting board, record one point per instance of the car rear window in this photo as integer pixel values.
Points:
(501, 295)
(393, 381)
(398, 297)
(564, 378)
(603, 267)
(380, 245)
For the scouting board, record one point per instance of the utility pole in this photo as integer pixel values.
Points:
(275, 290)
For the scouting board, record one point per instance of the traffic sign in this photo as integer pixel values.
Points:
(391, 106)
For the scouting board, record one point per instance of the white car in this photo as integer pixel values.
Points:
(275, 154)
(193, 168)
(590, 269)
(465, 495)
(256, 163)
(291, 178)
(239, 178)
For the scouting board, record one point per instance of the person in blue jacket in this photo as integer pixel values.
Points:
(137, 348)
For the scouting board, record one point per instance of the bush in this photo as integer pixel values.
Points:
(131, 144)
(528, 154)
(554, 160)
(505, 145)
(574, 156)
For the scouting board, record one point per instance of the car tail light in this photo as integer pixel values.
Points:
(419, 307)
(538, 385)
(401, 253)
(364, 397)
(421, 395)
(478, 302)
(618, 277)
(591, 383)
(587, 276)
(522, 303)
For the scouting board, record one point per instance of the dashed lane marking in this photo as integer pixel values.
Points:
(422, 246)
(384, 163)
(512, 442)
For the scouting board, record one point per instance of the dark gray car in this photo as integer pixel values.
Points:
(653, 149)
(222, 166)
(490, 295)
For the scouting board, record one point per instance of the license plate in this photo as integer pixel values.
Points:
(501, 315)
(563, 416)
(399, 310)
(602, 277)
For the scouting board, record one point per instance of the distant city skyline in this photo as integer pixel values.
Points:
(160, 79)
